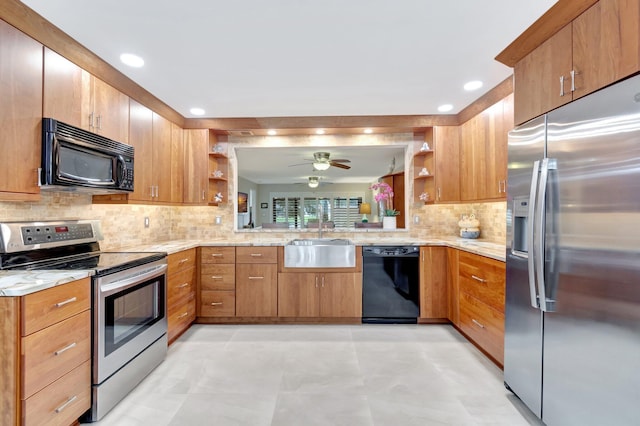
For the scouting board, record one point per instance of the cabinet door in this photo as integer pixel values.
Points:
(20, 113)
(161, 162)
(606, 44)
(111, 111)
(177, 164)
(472, 159)
(67, 91)
(434, 301)
(498, 120)
(196, 146)
(341, 295)
(256, 290)
(141, 130)
(298, 294)
(447, 167)
(453, 287)
(537, 77)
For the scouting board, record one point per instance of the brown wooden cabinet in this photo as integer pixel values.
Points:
(20, 114)
(141, 131)
(110, 115)
(481, 283)
(316, 294)
(446, 144)
(600, 46)
(45, 355)
(217, 285)
(483, 153)
(453, 286)
(181, 292)
(396, 182)
(196, 147)
(434, 295)
(256, 281)
(218, 170)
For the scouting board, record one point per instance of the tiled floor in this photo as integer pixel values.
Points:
(322, 375)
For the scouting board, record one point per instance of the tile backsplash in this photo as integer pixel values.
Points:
(123, 225)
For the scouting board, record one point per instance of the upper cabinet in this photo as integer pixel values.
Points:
(75, 97)
(599, 47)
(483, 153)
(446, 143)
(196, 147)
(20, 114)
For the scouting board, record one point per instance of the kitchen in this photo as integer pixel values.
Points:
(197, 222)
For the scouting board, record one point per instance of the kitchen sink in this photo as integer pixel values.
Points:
(320, 253)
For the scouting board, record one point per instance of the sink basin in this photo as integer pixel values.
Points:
(320, 253)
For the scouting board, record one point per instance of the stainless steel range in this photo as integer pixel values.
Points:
(129, 329)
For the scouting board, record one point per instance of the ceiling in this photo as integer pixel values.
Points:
(296, 58)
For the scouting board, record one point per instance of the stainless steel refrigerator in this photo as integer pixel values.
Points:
(572, 318)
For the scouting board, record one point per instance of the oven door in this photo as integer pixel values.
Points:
(129, 315)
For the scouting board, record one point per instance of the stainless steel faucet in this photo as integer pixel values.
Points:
(320, 218)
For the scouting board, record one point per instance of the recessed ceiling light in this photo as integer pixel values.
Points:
(272, 132)
(368, 131)
(320, 132)
(132, 60)
(445, 108)
(473, 85)
(196, 111)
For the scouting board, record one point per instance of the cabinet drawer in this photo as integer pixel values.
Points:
(218, 277)
(70, 396)
(182, 260)
(483, 324)
(256, 254)
(482, 278)
(181, 284)
(181, 316)
(46, 307)
(217, 303)
(256, 290)
(218, 255)
(54, 351)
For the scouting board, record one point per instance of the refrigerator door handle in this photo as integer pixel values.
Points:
(539, 236)
(530, 235)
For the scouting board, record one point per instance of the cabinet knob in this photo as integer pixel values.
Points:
(561, 85)
(66, 404)
(478, 279)
(216, 303)
(66, 302)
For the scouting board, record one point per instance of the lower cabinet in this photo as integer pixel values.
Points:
(434, 302)
(481, 282)
(181, 292)
(45, 356)
(256, 282)
(217, 291)
(329, 295)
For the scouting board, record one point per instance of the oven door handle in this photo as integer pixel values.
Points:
(131, 280)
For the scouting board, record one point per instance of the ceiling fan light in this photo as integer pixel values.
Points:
(313, 182)
(321, 165)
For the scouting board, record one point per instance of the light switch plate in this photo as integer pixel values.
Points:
(146, 221)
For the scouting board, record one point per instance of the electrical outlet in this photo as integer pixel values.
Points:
(146, 221)
(218, 220)
(416, 219)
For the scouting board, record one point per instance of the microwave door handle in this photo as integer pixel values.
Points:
(123, 170)
(531, 227)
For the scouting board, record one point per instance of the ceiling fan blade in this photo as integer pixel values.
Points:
(341, 160)
(299, 164)
(342, 166)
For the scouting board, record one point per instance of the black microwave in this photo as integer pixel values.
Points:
(74, 159)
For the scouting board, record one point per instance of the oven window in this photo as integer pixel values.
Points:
(131, 311)
(91, 166)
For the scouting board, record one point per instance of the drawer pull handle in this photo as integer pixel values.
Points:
(66, 404)
(477, 323)
(216, 254)
(216, 303)
(183, 315)
(183, 260)
(256, 254)
(66, 348)
(183, 285)
(216, 277)
(256, 278)
(478, 279)
(66, 302)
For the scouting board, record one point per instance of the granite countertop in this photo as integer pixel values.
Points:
(481, 247)
(20, 283)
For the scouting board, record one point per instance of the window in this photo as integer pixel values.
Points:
(299, 209)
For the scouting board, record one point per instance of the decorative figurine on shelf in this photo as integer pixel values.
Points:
(217, 174)
(218, 197)
(469, 226)
(424, 196)
(424, 172)
(217, 149)
(425, 147)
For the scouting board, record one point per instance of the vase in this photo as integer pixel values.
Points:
(389, 222)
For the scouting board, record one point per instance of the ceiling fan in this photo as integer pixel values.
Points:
(321, 161)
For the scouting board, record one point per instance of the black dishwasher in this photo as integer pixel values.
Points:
(390, 284)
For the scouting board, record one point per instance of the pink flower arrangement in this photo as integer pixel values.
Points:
(383, 198)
